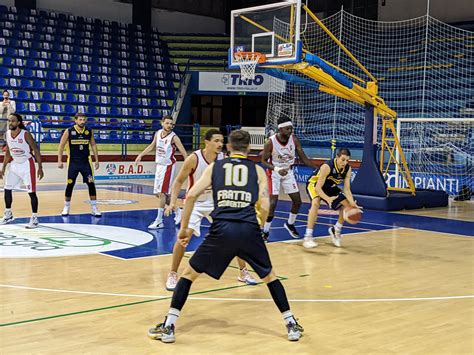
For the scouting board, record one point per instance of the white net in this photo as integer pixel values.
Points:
(424, 68)
(247, 63)
(439, 153)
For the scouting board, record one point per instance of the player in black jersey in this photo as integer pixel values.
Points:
(237, 185)
(78, 138)
(323, 185)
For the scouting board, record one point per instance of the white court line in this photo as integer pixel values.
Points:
(323, 216)
(439, 298)
(442, 234)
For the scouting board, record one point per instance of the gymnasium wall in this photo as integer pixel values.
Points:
(444, 10)
(172, 21)
(103, 9)
(166, 21)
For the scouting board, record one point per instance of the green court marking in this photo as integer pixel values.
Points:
(304, 275)
(117, 306)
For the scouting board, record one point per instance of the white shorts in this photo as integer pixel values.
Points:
(163, 178)
(288, 182)
(198, 213)
(19, 173)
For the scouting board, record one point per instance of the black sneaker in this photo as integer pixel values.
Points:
(265, 236)
(160, 332)
(292, 230)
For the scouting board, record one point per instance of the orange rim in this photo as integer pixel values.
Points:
(261, 57)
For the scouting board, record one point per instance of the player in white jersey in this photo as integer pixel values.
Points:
(192, 170)
(20, 143)
(164, 143)
(279, 154)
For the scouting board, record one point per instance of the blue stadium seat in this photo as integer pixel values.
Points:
(4, 71)
(114, 111)
(38, 84)
(114, 100)
(69, 109)
(22, 95)
(49, 85)
(20, 107)
(45, 108)
(91, 110)
(47, 96)
(72, 87)
(92, 99)
(24, 83)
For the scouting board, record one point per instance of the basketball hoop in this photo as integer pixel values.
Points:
(247, 61)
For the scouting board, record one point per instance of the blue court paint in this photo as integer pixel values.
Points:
(164, 239)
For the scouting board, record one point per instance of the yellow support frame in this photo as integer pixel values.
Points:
(387, 125)
(358, 94)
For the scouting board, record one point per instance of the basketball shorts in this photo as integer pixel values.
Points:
(19, 173)
(163, 177)
(82, 167)
(199, 212)
(225, 241)
(276, 181)
(330, 191)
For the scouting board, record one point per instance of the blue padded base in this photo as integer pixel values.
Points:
(400, 200)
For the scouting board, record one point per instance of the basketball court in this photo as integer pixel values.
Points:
(402, 282)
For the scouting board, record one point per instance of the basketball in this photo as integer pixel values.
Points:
(352, 215)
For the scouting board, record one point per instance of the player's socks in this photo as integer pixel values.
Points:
(159, 215)
(292, 218)
(266, 227)
(172, 317)
(308, 232)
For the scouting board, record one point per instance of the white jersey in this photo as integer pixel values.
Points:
(19, 148)
(202, 164)
(283, 155)
(165, 148)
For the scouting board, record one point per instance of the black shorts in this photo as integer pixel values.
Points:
(85, 168)
(226, 240)
(330, 191)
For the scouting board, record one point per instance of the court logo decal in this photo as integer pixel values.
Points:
(57, 239)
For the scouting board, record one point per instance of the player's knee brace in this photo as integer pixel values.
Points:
(8, 198)
(92, 190)
(70, 187)
(34, 201)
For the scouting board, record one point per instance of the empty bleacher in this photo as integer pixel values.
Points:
(56, 65)
(204, 52)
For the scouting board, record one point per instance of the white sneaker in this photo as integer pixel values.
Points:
(171, 281)
(157, 224)
(294, 331)
(246, 277)
(309, 242)
(65, 211)
(96, 213)
(336, 236)
(33, 223)
(7, 217)
(177, 216)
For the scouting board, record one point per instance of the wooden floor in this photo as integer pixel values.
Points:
(395, 291)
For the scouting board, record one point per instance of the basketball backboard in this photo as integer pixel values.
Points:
(272, 29)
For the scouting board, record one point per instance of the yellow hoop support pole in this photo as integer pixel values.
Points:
(263, 28)
(334, 38)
